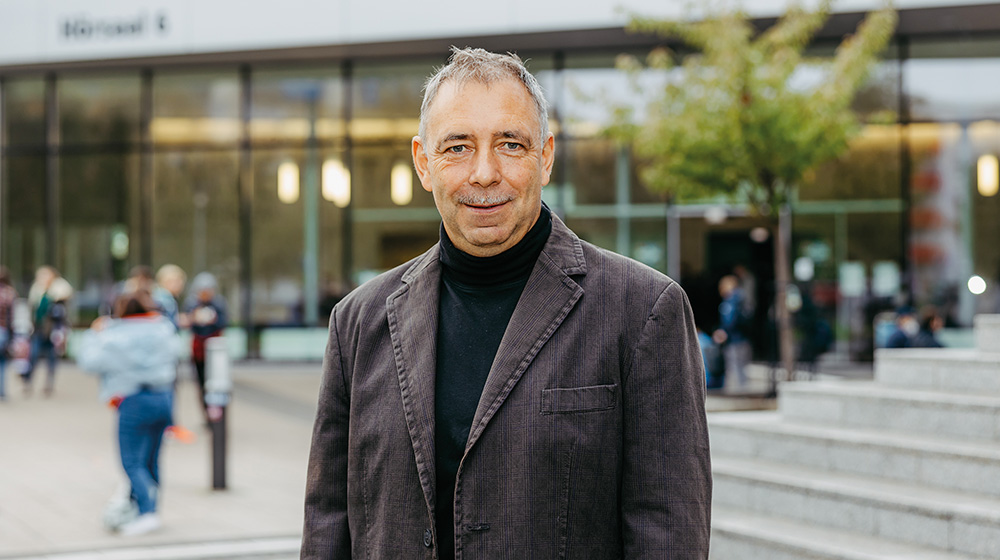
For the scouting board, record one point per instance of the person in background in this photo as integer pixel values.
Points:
(205, 313)
(715, 364)
(8, 295)
(135, 355)
(930, 323)
(748, 287)
(49, 296)
(907, 327)
(730, 334)
(170, 281)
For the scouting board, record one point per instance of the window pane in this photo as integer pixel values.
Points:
(649, 242)
(385, 116)
(381, 244)
(277, 265)
(24, 234)
(24, 110)
(335, 278)
(386, 100)
(599, 231)
(594, 86)
(285, 102)
(195, 108)
(195, 217)
(869, 170)
(99, 110)
(985, 222)
(933, 74)
(873, 237)
(590, 171)
(372, 174)
(815, 236)
(99, 225)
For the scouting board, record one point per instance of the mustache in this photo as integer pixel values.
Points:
(483, 199)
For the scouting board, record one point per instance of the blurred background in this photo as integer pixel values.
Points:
(269, 144)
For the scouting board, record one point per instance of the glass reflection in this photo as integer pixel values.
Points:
(276, 266)
(24, 218)
(286, 103)
(24, 111)
(195, 108)
(99, 110)
(99, 228)
(195, 217)
(953, 80)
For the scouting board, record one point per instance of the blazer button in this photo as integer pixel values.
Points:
(428, 538)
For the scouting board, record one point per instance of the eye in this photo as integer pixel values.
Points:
(456, 149)
(512, 145)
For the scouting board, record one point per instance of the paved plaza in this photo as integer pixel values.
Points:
(59, 467)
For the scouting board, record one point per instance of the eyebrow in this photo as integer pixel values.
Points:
(511, 134)
(514, 135)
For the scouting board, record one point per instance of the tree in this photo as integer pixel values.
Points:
(748, 115)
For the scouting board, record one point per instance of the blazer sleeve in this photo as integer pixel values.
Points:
(667, 474)
(326, 534)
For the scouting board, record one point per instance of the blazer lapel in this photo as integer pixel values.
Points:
(412, 313)
(548, 297)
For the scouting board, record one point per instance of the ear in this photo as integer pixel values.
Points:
(548, 158)
(420, 162)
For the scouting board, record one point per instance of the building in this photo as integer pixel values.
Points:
(269, 143)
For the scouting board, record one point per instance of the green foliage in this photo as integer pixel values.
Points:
(734, 117)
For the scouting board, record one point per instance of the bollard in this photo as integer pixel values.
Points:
(218, 390)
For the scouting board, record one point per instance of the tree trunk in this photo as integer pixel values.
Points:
(782, 241)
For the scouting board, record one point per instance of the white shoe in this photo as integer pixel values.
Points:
(141, 525)
(120, 509)
(119, 513)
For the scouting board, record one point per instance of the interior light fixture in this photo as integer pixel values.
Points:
(759, 234)
(401, 188)
(288, 182)
(977, 285)
(715, 215)
(988, 173)
(336, 183)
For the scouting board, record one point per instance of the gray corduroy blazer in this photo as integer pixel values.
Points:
(590, 440)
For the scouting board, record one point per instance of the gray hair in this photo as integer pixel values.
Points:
(479, 65)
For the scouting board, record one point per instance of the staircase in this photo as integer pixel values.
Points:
(903, 467)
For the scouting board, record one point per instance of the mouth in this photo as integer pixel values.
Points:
(484, 203)
(485, 206)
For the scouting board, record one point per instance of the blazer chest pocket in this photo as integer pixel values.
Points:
(579, 399)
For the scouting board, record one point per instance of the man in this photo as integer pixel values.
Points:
(514, 392)
(731, 334)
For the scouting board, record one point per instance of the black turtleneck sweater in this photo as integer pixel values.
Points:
(478, 296)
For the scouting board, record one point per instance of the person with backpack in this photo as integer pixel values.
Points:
(49, 298)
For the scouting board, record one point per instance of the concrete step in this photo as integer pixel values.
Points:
(743, 535)
(868, 404)
(939, 369)
(942, 463)
(987, 333)
(263, 548)
(947, 521)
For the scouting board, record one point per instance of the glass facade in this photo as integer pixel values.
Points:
(293, 183)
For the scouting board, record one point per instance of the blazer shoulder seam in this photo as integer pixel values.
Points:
(650, 318)
(335, 335)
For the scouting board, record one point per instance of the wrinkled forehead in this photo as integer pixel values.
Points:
(453, 97)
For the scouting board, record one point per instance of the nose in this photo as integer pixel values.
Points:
(485, 169)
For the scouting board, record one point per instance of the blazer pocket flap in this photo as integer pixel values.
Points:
(579, 399)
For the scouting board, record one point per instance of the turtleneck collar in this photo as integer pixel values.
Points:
(514, 264)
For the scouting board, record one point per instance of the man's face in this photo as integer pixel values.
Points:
(485, 162)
